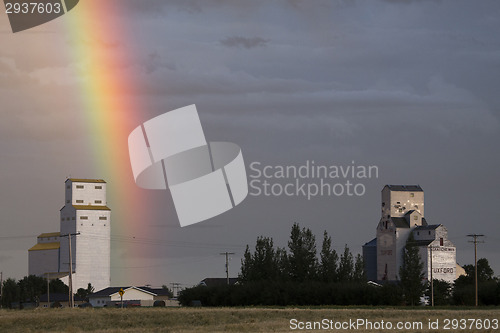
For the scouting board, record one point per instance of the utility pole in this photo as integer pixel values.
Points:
(48, 290)
(475, 241)
(227, 264)
(71, 296)
(1, 289)
(432, 280)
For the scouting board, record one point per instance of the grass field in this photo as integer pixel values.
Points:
(238, 319)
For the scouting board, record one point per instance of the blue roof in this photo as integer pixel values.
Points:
(372, 243)
(407, 188)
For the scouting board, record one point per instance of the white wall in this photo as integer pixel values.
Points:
(99, 301)
(386, 252)
(390, 201)
(87, 195)
(67, 226)
(43, 261)
(91, 249)
(132, 295)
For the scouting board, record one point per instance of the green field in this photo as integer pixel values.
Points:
(241, 319)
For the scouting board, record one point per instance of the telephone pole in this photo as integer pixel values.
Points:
(475, 241)
(71, 296)
(48, 290)
(1, 289)
(432, 280)
(227, 264)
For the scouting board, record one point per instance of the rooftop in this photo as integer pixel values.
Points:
(427, 227)
(113, 290)
(90, 207)
(373, 242)
(81, 180)
(46, 246)
(405, 188)
(423, 242)
(400, 222)
(212, 282)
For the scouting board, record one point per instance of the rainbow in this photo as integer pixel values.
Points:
(110, 113)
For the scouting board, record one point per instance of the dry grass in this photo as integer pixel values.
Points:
(219, 319)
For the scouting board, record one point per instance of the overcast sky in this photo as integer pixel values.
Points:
(408, 86)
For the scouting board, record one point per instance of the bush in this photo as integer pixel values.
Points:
(268, 292)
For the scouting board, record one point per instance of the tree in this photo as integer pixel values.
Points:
(346, 266)
(10, 293)
(169, 292)
(359, 274)
(283, 264)
(484, 271)
(302, 259)
(246, 266)
(31, 287)
(442, 292)
(262, 264)
(411, 273)
(84, 293)
(464, 290)
(264, 261)
(57, 286)
(328, 260)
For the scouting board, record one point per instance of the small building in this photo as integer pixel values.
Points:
(214, 282)
(58, 299)
(141, 296)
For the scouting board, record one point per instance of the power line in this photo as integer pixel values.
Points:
(16, 237)
(162, 242)
(183, 262)
(475, 241)
(148, 241)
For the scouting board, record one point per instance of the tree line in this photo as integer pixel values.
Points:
(31, 287)
(300, 276)
(300, 263)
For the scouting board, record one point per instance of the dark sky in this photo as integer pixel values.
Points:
(408, 86)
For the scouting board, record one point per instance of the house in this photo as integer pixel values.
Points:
(138, 296)
(58, 298)
(213, 282)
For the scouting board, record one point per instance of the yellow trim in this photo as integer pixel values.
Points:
(49, 234)
(81, 180)
(90, 207)
(46, 246)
